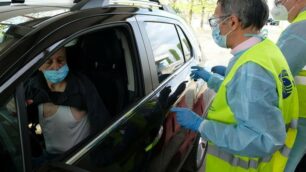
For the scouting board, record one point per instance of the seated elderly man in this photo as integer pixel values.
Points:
(69, 106)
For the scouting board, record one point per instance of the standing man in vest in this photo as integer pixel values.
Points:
(292, 43)
(251, 124)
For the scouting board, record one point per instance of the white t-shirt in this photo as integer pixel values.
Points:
(61, 130)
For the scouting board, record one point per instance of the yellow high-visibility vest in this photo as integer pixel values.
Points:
(267, 55)
(300, 80)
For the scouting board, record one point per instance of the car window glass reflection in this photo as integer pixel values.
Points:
(132, 142)
(10, 148)
(185, 43)
(167, 49)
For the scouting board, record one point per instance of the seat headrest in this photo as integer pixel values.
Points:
(103, 48)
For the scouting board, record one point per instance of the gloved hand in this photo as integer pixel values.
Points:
(199, 72)
(187, 118)
(219, 70)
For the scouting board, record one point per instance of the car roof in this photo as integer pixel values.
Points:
(43, 11)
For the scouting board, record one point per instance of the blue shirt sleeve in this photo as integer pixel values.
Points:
(260, 129)
(292, 43)
(215, 81)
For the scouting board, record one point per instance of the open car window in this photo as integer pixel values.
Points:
(102, 81)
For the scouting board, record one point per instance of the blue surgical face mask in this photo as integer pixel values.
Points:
(56, 76)
(219, 39)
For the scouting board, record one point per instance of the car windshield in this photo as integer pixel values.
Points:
(15, 27)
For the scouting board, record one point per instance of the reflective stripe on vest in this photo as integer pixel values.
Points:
(293, 124)
(275, 63)
(300, 80)
(238, 162)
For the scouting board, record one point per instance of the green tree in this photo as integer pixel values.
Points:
(190, 8)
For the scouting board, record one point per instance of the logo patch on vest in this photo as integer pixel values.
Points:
(286, 83)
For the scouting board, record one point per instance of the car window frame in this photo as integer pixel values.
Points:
(181, 61)
(142, 19)
(124, 114)
(180, 38)
(139, 84)
(23, 126)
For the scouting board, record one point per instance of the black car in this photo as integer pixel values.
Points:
(137, 54)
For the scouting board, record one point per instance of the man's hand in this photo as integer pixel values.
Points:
(199, 72)
(29, 102)
(187, 118)
(219, 70)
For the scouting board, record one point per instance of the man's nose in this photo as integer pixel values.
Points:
(55, 66)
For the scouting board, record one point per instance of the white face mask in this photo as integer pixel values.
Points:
(279, 12)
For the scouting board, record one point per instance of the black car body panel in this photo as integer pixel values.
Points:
(142, 135)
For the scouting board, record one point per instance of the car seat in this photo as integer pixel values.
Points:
(103, 59)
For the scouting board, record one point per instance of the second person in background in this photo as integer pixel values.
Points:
(292, 43)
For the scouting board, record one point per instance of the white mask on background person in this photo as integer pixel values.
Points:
(279, 12)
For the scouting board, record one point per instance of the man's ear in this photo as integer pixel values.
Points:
(234, 22)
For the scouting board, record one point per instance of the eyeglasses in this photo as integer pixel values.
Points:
(214, 21)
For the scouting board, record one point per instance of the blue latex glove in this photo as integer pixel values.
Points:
(219, 70)
(187, 118)
(199, 72)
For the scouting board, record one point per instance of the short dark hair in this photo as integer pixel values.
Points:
(251, 13)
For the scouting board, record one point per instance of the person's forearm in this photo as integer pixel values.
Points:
(239, 139)
(215, 81)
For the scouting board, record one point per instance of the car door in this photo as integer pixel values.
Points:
(130, 142)
(172, 51)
